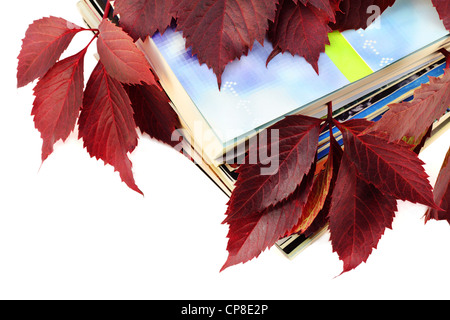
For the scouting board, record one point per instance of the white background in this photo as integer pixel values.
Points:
(70, 229)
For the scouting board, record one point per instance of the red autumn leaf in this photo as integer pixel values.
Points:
(443, 8)
(442, 193)
(359, 216)
(120, 56)
(329, 7)
(356, 126)
(252, 234)
(322, 189)
(153, 113)
(44, 42)
(106, 123)
(58, 101)
(300, 30)
(254, 191)
(220, 31)
(142, 18)
(411, 119)
(357, 14)
(392, 168)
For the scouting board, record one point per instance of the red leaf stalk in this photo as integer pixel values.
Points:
(330, 117)
(447, 56)
(107, 8)
(93, 38)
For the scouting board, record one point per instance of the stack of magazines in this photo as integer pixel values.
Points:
(360, 73)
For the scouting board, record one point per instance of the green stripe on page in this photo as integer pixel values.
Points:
(344, 56)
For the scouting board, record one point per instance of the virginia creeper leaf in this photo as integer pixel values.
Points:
(442, 193)
(58, 101)
(301, 30)
(359, 216)
(220, 31)
(44, 42)
(413, 118)
(322, 188)
(106, 123)
(153, 113)
(443, 8)
(120, 56)
(252, 234)
(142, 18)
(357, 14)
(393, 168)
(328, 7)
(254, 192)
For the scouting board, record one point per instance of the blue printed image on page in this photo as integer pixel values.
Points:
(251, 95)
(407, 26)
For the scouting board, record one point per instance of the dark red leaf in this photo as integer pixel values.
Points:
(106, 123)
(220, 31)
(328, 7)
(120, 56)
(58, 101)
(44, 42)
(357, 14)
(252, 234)
(443, 8)
(359, 215)
(411, 119)
(320, 196)
(392, 168)
(153, 113)
(357, 126)
(300, 30)
(442, 193)
(142, 18)
(255, 192)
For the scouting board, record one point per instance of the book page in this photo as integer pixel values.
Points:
(252, 94)
(402, 29)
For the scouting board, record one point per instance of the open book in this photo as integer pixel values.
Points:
(361, 72)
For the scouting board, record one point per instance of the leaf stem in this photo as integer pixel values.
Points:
(107, 8)
(447, 56)
(330, 112)
(93, 30)
(93, 38)
(330, 117)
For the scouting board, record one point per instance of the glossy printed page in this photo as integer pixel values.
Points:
(404, 28)
(254, 95)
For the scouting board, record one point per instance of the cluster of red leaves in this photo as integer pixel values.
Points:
(354, 193)
(121, 94)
